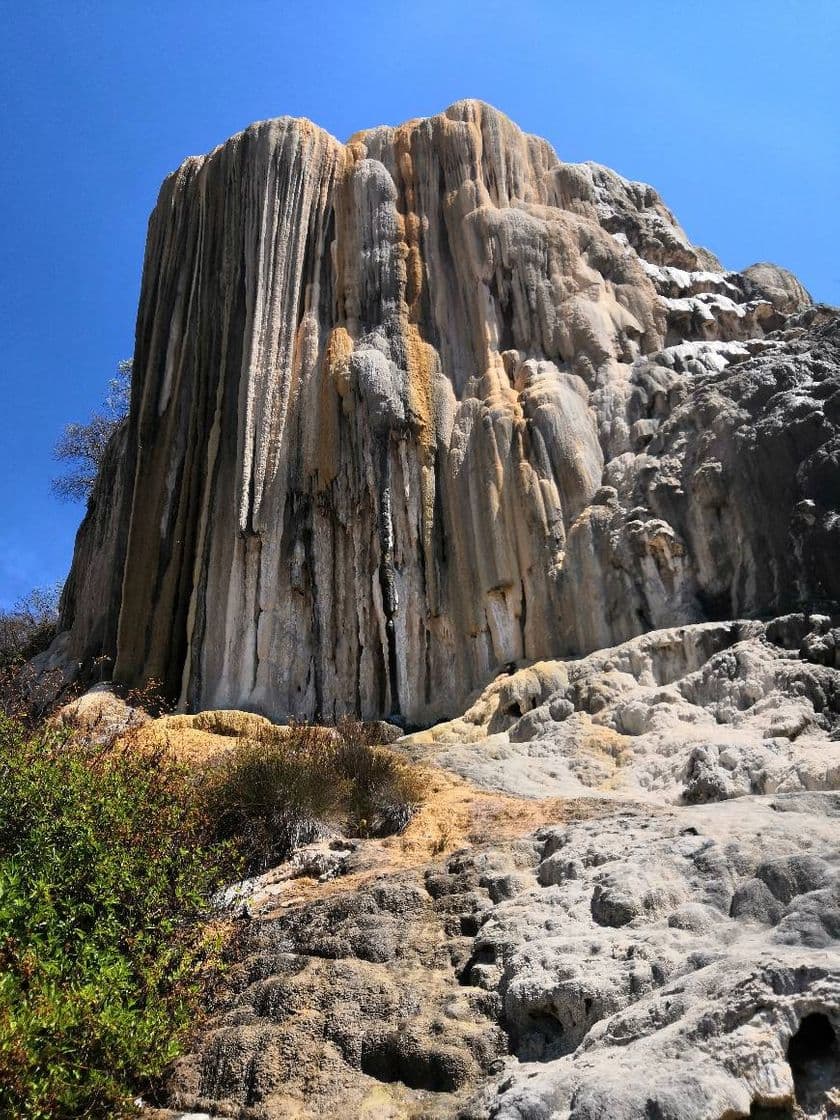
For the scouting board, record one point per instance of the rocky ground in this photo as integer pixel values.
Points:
(621, 900)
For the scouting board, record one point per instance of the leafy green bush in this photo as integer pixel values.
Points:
(272, 794)
(106, 864)
(107, 858)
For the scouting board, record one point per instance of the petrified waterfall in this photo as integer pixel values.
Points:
(400, 417)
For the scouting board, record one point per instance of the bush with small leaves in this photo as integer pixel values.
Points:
(106, 867)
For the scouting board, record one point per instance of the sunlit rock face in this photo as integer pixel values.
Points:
(414, 407)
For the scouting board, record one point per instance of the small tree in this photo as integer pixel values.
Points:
(30, 625)
(83, 445)
(26, 630)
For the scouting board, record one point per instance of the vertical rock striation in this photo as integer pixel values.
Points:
(397, 413)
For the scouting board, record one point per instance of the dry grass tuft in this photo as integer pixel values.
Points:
(271, 793)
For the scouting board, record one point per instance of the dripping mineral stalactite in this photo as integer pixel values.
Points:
(411, 408)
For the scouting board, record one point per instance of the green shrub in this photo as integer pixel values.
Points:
(107, 858)
(271, 795)
(106, 864)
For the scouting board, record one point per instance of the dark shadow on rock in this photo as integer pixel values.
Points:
(814, 1057)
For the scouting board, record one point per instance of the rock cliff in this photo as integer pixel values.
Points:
(411, 408)
(433, 425)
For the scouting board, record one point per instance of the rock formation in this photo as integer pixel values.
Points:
(411, 408)
(625, 906)
(431, 423)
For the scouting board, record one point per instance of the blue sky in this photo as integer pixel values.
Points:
(729, 109)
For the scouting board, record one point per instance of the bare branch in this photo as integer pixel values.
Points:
(83, 445)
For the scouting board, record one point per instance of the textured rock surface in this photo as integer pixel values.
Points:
(664, 943)
(700, 713)
(402, 405)
(433, 409)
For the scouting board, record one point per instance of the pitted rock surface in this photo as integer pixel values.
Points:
(666, 943)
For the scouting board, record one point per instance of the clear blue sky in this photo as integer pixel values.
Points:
(730, 109)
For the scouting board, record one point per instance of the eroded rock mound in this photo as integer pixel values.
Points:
(689, 715)
(402, 405)
(659, 938)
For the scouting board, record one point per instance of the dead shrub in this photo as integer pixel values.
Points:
(383, 790)
(149, 697)
(29, 697)
(272, 794)
(269, 797)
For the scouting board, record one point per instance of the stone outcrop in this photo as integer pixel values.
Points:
(627, 906)
(410, 408)
(695, 714)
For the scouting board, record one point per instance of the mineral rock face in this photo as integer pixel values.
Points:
(629, 908)
(417, 406)
(410, 411)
